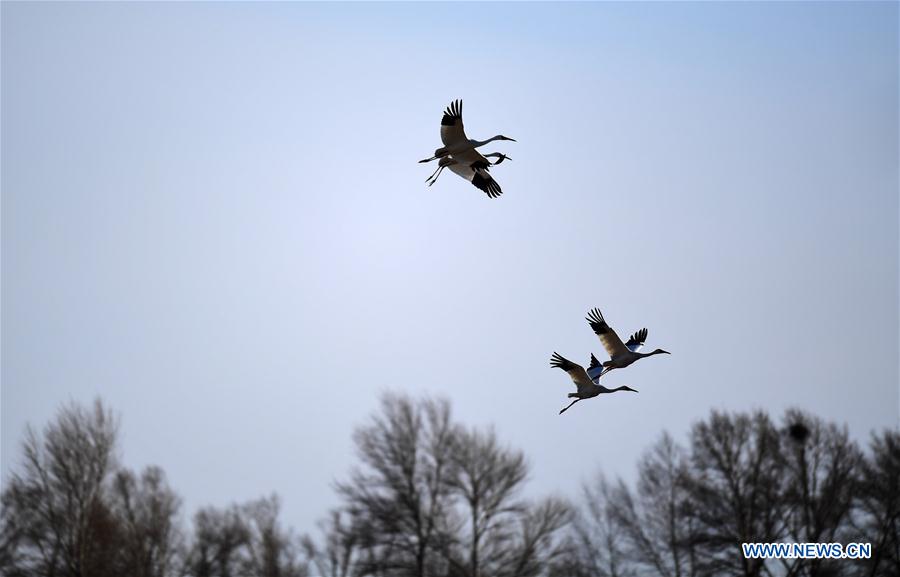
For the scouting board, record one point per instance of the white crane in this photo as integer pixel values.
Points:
(475, 172)
(453, 135)
(586, 387)
(620, 354)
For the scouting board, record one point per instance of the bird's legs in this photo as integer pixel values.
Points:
(434, 175)
(444, 163)
(438, 173)
(570, 404)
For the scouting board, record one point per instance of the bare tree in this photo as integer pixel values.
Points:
(737, 490)
(877, 516)
(436, 499)
(219, 538)
(147, 509)
(487, 477)
(655, 519)
(432, 498)
(596, 544)
(244, 541)
(821, 465)
(55, 521)
(338, 556)
(538, 544)
(400, 498)
(271, 550)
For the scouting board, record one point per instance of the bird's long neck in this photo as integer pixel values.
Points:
(478, 143)
(605, 390)
(498, 155)
(650, 354)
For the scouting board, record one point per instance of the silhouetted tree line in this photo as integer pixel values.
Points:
(431, 497)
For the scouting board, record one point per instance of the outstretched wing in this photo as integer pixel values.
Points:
(479, 177)
(576, 371)
(484, 181)
(452, 131)
(637, 340)
(595, 370)
(608, 337)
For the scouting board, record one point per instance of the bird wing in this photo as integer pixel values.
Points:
(608, 337)
(637, 340)
(479, 177)
(452, 131)
(595, 370)
(484, 181)
(576, 371)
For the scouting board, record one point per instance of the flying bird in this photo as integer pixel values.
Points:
(475, 172)
(453, 135)
(587, 387)
(620, 354)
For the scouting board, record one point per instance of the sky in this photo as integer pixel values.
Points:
(213, 219)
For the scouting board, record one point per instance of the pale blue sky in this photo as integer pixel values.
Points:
(212, 217)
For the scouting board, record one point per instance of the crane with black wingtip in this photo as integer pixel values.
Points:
(587, 387)
(453, 135)
(475, 172)
(620, 354)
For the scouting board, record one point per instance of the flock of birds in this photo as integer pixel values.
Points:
(461, 156)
